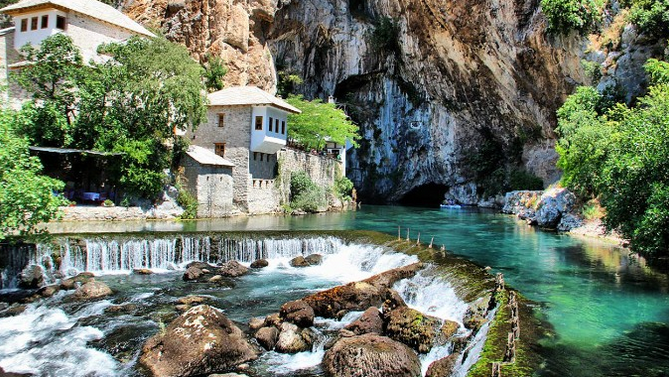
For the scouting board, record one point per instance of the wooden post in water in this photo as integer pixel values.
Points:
(510, 354)
(418, 239)
(399, 232)
(431, 242)
(443, 247)
(407, 234)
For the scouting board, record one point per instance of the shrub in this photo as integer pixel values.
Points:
(651, 16)
(567, 15)
(188, 202)
(304, 194)
(343, 187)
(523, 180)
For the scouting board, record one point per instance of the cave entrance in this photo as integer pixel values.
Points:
(428, 195)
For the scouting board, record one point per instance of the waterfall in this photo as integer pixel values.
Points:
(66, 257)
(13, 258)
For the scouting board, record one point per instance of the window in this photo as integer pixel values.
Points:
(283, 127)
(276, 125)
(261, 155)
(255, 156)
(45, 21)
(271, 121)
(24, 24)
(60, 22)
(221, 119)
(33, 23)
(219, 149)
(259, 123)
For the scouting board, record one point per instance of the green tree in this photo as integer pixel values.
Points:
(567, 15)
(26, 197)
(214, 71)
(130, 104)
(651, 16)
(318, 123)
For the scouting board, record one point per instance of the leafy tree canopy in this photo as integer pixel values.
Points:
(621, 155)
(318, 123)
(131, 103)
(567, 15)
(651, 16)
(26, 197)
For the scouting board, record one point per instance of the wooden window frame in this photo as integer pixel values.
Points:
(34, 23)
(221, 119)
(259, 121)
(24, 25)
(44, 22)
(62, 21)
(219, 149)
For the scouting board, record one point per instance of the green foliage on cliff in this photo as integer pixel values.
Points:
(130, 104)
(26, 197)
(621, 155)
(304, 194)
(318, 123)
(651, 16)
(386, 35)
(565, 16)
(214, 71)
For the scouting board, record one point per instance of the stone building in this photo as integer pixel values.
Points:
(89, 23)
(247, 126)
(209, 178)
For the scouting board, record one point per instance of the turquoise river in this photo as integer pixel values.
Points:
(610, 312)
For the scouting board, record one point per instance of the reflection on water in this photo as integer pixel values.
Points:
(603, 302)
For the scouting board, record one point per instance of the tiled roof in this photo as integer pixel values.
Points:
(207, 157)
(91, 8)
(249, 95)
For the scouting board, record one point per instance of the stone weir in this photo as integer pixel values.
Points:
(496, 329)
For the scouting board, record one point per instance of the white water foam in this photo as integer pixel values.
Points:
(45, 341)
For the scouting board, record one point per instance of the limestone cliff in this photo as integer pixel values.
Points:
(457, 94)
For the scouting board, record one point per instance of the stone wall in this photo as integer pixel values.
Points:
(211, 185)
(89, 33)
(321, 169)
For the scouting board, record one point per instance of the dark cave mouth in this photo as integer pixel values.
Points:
(428, 195)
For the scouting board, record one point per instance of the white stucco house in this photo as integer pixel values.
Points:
(89, 23)
(247, 127)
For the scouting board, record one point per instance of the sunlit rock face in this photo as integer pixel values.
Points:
(460, 94)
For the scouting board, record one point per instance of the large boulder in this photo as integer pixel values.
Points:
(413, 328)
(92, 290)
(336, 302)
(73, 282)
(293, 339)
(299, 261)
(32, 277)
(260, 263)
(443, 367)
(554, 204)
(267, 337)
(297, 312)
(193, 273)
(200, 341)
(369, 322)
(314, 259)
(233, 269)
(371, 355)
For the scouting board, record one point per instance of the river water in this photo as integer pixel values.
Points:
(609, 310)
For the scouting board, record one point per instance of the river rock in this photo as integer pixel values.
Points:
(92, 290)
(443, 367)
(233, 269)
(200, 341)
(49, 290)
(32, 277)
(297, 312)
(267, 337)
(273, 319)
(554, 204)
(314, 259)
(200, 265)
(413, 328)
(256, 323)
(227, 375)
(448, 329)
(12, 374)
(371, 355)
(475, 316)
(192, 273)
(336, 302)
(299, 261)
(142, 271)
(260, 263)
(293, 339)
(369, 322)
(71, 283)
(13, 310)
(393, 301)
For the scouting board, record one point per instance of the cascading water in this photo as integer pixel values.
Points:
(31, 337)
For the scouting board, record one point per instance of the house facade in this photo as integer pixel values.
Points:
(89, 23)
(248, 127)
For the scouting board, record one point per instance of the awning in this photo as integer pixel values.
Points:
(77, 151)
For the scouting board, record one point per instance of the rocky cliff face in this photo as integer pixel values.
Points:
(449, 95)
